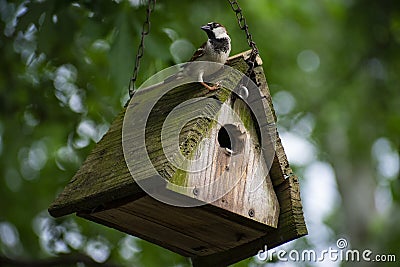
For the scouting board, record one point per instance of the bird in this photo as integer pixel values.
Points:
(216, 49)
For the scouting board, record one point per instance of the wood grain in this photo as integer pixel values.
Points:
(237, 182)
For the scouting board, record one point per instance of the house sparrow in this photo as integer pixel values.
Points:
(215, 49)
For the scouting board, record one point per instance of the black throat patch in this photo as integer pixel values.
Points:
(220, 45)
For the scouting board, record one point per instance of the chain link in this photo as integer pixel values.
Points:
(243, 26)
(145, 31)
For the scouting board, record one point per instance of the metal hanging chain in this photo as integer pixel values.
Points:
(243, 26)
(145, 31)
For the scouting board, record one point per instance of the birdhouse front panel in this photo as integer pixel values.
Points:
(228, 168)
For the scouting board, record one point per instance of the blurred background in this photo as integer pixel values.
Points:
(333, 70)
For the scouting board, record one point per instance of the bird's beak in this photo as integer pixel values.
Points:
(206, 28)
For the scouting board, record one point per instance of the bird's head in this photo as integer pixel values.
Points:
(215, 30)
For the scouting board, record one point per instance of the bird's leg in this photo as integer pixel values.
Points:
(210, 88)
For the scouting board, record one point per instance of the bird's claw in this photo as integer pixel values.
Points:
(216, 86)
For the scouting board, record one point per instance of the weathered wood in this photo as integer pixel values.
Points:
(240, 182)
(183, 227)
(291, 226)
(216, 234)
(102, 178)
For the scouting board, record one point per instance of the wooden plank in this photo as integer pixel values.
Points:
(183, 230)
(197, 222)
(142, 228)
(291, 226)
(101, 178)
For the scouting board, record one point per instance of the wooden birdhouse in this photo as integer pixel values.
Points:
(227, 194)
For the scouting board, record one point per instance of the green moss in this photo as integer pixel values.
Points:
(244, 114)
(223, 94)
(179, 177)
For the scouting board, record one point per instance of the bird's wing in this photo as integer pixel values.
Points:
(196, 56)
(199, 52)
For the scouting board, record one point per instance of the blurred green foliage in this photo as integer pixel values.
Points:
(332, 66)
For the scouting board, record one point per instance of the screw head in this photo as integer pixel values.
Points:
(195, 191)
(251, 212)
